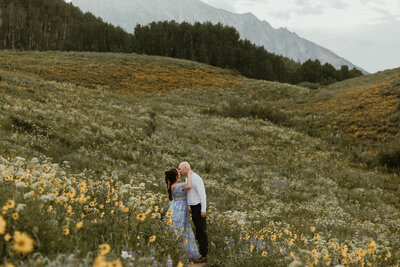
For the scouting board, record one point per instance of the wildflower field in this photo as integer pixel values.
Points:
(362, 114)
(85, 139)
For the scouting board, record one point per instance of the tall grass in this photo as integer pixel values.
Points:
(276, 194)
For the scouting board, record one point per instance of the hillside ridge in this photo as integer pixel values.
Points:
(279, 41)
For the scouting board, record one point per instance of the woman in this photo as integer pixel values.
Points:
(179, 212)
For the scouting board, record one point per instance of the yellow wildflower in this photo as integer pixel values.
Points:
(314, 253)
(264, 253)
(10, 204)
(141, 217)
(371, 247)
(388, 254)
(116, 263)
(100, 261)
(22, 243)
(15, 216)
(4, 210)
(152, 239)
(79, 225)
(66, 231)
(251, 248)
(169, 213)
(7, 237)
(104, 249)
(273, 237)
(3, 225)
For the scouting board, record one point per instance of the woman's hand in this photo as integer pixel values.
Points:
(189, 181)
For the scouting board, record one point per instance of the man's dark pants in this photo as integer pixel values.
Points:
(201, 234)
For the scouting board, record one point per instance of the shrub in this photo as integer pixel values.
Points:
(309, 85)
(235, 109)
(395, 118)
(390, 155)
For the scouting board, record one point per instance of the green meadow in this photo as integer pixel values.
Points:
(293, 176)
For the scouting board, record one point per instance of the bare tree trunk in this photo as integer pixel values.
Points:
(13, 39)
(1, 24)
(65, 31)
(1, 17)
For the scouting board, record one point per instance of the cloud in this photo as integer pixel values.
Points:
(372, 47)
(338, 4)
(306, 7)
(363, 31)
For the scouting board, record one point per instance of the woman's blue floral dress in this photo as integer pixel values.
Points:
(181, 223)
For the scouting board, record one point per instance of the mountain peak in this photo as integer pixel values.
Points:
(128, 13)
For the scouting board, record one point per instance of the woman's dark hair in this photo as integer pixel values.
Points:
(170, 177)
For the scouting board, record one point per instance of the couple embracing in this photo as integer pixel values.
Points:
(188, 197)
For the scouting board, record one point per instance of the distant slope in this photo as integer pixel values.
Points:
(366, 109)
(123, 73)
(364, 80)
(128, 13)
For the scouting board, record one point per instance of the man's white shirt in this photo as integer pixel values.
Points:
(197, 194)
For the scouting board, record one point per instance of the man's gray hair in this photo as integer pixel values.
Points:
(184, 164)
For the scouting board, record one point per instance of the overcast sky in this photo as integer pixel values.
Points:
(366, 32)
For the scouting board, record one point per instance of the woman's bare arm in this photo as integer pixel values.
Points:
(188, 184)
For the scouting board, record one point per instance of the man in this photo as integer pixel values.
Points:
(196, 198)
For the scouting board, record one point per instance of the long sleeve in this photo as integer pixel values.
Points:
(202, 193)
(197, 195)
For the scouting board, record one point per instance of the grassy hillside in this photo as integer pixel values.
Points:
(369, 113)
(121, 73)
(85, 138)
(365, 80)
(361, 115)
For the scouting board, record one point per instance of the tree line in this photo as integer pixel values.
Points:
(221, 46)
(56, 25)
